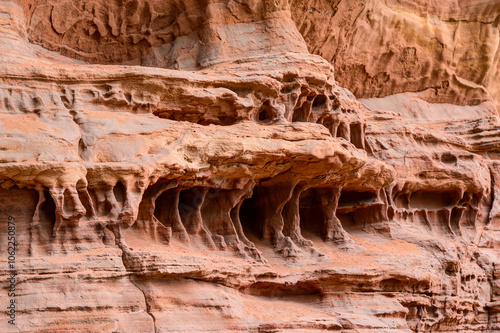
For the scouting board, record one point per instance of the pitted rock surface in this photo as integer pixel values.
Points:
(251, 165)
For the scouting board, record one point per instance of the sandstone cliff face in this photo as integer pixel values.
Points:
(186, 166)
(446, 50)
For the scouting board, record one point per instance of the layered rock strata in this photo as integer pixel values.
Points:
(181, 166)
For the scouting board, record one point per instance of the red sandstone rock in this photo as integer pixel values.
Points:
(187, 166)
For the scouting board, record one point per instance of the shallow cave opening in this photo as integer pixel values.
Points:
(300, 114)
(424, 199)
(312, 217)
(449, 158)
(319, 103)
(103, 207)
(402, 200)
(226, 120)
(351, 198)
(164, 204)
(347, 220)
(47, 217)
(119, 192)
(205, 120)
(451, 268)
(357, 138)
(266, 113)
(190, 201)
(343, 131)
(252, 216)
(302, 110)
(355, 209)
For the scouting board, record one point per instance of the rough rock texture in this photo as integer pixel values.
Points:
(446, 50)
(187, 166)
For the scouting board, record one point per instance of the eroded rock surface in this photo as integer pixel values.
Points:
(187, 166)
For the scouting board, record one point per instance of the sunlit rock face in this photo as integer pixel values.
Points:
(244, 165)
(447, 51)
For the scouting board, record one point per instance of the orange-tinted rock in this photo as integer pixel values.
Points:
(381, 48)
(189, 166)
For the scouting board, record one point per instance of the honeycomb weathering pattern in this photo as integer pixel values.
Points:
(244, 165)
